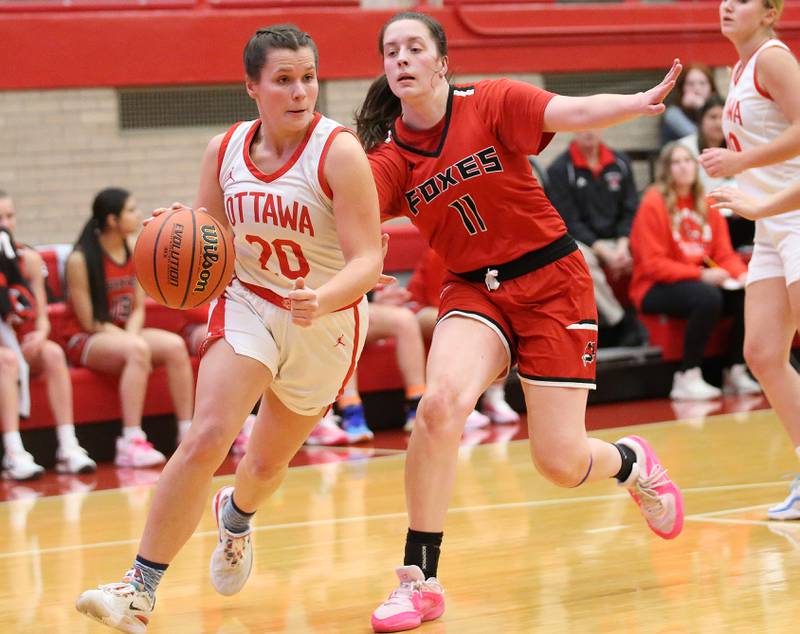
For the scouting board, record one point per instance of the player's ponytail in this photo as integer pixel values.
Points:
(110, 201)
(377, 113)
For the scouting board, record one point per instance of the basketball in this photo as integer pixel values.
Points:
(183, 258)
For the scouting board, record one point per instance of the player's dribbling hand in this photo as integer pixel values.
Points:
(653, 98)
(174, 207)
(303, 303)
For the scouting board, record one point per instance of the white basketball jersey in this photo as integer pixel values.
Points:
(752, 119)
(283, 222)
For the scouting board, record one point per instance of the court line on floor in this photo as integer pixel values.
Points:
(389, 516)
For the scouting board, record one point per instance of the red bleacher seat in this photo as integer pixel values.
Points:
(668, 332)
(406, 246)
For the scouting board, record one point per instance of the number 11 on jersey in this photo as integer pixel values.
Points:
(468, 211)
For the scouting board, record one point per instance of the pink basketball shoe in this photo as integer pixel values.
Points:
(415, 600)
(658, 498)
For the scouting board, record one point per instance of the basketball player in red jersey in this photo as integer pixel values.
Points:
(453, 159)
(298, 196)
(104, 328)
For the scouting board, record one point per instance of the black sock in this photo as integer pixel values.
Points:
(422, 549)
(628, 459)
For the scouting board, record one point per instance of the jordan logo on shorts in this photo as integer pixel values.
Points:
(339, 341)
(589, 353)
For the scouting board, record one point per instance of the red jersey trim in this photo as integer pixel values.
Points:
(224, 146)
(216, 327)
(268, 178)
(354, 357)
(737, 72)
(761, 91)
(442, 138)
(323, 182)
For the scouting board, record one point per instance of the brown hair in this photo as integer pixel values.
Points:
(381, 106)
(278, 36)
(680, 84)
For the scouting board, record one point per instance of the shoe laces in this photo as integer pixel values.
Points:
(646, 488)
(235, 546)
(401, 596)
(128, 587)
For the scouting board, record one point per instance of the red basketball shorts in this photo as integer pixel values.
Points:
(547, 320)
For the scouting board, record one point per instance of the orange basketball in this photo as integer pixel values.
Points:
(183, 258)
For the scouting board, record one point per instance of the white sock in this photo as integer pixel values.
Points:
(66, 436)
(135, 431)
(183, 427)
(495, 393)
(12, 442)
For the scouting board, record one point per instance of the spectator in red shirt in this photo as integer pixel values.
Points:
(685, 266)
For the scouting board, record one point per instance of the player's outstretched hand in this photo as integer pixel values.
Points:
(653, 99)
(303, 303)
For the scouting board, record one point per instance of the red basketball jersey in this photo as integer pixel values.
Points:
(466, 183)
(121, 293)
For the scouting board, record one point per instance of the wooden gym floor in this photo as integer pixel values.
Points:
(520, 555)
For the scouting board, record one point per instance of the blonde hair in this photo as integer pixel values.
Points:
(666, 185)
(778, 6)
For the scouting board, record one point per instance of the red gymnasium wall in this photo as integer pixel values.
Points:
(151, 42)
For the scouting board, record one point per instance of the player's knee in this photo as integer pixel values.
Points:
(406, 323)
(262, 470)
(762, 357)
(53, 356)
(138, 352)
(562, 469)
(175, 349)
(442, 410)
(204, 447)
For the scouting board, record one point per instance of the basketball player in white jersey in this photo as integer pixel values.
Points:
(297, 193)
(762, 129)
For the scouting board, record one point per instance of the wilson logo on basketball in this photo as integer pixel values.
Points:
(210, 256)
(174, 254)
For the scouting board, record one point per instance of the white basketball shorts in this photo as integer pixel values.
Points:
(310, 365)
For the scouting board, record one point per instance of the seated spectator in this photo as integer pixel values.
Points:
(18, 464)
(710, 134)
(424, 290)
(692, 89)
(105, 318)
(685, 267)
(592, 187)
(43, 358)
